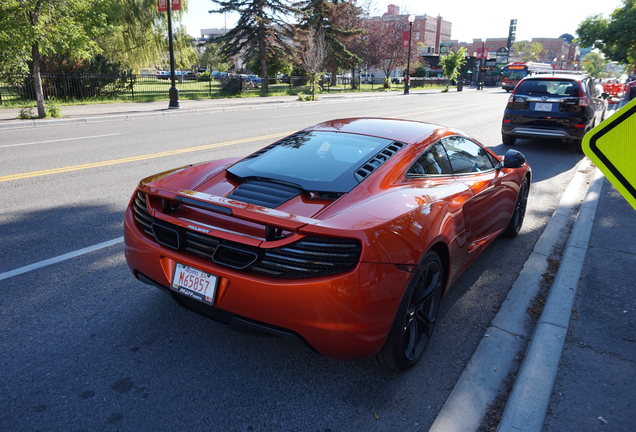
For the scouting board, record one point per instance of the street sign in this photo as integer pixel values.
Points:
(612, 147)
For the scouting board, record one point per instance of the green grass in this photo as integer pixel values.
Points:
(149, 90)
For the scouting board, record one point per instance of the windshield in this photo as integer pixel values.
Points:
(515, 74)
(315, 161)
(548, 87)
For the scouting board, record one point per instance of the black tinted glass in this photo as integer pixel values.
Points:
(548, 88)
(466, 156)
(315, 161)
(433, 162)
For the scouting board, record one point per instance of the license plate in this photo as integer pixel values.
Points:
(543, 106)
(194, 283)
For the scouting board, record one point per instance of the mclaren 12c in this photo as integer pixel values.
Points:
(345, 235)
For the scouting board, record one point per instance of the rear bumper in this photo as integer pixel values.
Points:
(344, 316)
(542, 132)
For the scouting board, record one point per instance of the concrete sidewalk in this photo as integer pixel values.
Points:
(595, 387)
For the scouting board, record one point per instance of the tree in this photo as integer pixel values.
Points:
(211, 59)
(340, 22)
(260, 31)
(593, 63)
(452, 64)
(31, 29)
(277, 61)
(386, 51)
(313, 58)
(528, 51)
(140, 35)
(614, 36)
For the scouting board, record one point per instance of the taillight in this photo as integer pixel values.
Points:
(583, 100)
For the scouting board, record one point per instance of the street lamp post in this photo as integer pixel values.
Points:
(407, 79)
(481, 62)
(174, 91)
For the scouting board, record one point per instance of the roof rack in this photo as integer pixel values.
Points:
(568, 72)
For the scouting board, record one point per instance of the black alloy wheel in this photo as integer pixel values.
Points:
(416, 317)
(519, 213)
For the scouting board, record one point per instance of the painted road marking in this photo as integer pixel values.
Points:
(136, 158)
(60, 258)
(58, 140)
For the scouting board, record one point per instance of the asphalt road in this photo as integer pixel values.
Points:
(84, 346)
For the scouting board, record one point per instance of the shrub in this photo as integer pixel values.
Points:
(53, 108)
(26, 114)
(233, 85)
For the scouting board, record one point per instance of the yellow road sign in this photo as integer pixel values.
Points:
(612, 147)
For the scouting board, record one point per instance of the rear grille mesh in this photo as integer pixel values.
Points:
(309, 257)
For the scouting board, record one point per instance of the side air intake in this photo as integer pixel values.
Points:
(377, 160)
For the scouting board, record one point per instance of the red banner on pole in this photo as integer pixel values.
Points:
(405, 39)
(163, 5)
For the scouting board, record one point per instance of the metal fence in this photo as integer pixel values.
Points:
(19, 87)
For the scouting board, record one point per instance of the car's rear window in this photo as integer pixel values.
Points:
(316, 161)
(559, 88)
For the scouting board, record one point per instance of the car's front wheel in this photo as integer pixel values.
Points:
(519, 213)
(415, 319)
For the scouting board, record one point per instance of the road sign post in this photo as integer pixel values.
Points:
(612, 147)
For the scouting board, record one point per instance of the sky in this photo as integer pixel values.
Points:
(469, 18)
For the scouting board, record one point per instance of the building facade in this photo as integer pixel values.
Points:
(429, 31)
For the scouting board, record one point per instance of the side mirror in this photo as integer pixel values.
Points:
(513, 159)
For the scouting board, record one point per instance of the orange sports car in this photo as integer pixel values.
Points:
(344, 235)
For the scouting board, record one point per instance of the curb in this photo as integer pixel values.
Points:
(528, 403)
(484, 377)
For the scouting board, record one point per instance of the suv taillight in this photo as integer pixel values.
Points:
(583, 100)
(511, 99)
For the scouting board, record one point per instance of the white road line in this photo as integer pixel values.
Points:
(296, 115)
(59, 140)
(60, 258)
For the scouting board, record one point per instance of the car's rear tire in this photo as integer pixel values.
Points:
(519, 213)
(416, 316)
(508, 140)
(579, 146)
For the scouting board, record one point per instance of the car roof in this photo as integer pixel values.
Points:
(405, 131)
(559, 76)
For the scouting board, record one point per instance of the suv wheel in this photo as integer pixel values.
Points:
(507, 139)
(579, 146)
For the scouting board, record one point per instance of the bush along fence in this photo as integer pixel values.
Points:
(141, 87)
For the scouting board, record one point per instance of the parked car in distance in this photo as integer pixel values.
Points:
(148, 72)
(254, 79)
(344, 236)
(185, 75)
(555, 106)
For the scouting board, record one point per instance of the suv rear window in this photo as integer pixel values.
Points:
(559, 88)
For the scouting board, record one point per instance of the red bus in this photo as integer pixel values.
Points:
(514, 72)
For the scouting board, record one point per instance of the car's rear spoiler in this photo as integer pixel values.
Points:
(272, 219)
